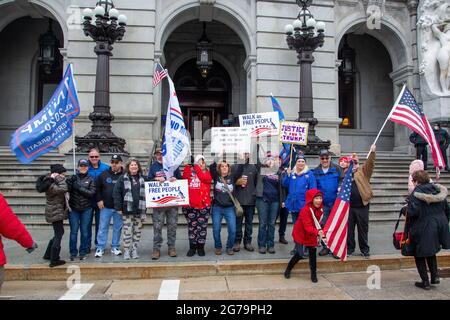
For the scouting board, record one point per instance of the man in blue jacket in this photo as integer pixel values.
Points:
(328, 176)
(96, 168)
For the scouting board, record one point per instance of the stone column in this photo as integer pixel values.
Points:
(412, 7)
(250, 68)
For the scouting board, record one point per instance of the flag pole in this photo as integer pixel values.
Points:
(387, 118)
(290, 158)
(73, 148)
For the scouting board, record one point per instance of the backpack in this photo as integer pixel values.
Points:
(42, 184)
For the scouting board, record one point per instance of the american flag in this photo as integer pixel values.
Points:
(407, 112)
(336, 228)
(159, 74)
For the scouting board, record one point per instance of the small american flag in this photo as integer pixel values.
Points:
(336, 228)
(158, 75)
(407, 112)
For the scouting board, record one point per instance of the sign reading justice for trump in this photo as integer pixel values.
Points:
(294, 132)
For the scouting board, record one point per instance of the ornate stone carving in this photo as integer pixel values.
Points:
(434, 44)
(207, 2)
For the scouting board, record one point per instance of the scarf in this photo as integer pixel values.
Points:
(128, 199)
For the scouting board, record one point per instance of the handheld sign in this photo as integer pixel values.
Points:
(261, 124)
(166, 194)
(294, 132)
(230, 140)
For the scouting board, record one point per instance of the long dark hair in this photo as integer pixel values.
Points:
(127, 166)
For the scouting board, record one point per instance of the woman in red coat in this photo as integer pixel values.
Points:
(307, 231)
(11, 228)
(199, 209)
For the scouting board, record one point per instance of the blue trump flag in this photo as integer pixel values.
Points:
(285, 151)
(50, 127)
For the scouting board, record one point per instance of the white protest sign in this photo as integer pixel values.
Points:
(261, 124)
(166, 194)
(230, 140)
(294, 132)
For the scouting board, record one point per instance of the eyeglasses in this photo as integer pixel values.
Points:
(115, 162)
(94, 157)
(327, 158)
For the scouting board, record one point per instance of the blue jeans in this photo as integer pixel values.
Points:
(79, 220)
(249, 212)
(96, 216)
(105, 219)
(218, 213)
(267, 212)
(294, 216)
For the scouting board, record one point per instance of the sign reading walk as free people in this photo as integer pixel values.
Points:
(50, 127)
(261, 124)
(166, 194)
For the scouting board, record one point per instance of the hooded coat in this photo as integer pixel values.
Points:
(298, 185)
(56, 206)
(428, 214)
(305, 231)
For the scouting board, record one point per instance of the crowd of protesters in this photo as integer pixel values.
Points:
(272, 189)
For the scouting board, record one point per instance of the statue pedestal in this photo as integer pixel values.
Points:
(437, 108)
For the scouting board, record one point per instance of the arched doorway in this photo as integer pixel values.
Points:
(366, 92)
(218, 99)
(203, 99)
(25, 86)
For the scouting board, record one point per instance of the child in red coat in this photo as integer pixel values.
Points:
(307, 231)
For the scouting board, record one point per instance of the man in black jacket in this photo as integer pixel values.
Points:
(82, 192)
(443, 139)
(105, 187)
(421, 148)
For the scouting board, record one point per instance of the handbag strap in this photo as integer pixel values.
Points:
(398, 220)
(233, 199)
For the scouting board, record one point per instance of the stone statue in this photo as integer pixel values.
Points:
(443, 55)
(434, 45)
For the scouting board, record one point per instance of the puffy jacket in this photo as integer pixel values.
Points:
(56, 208)
(12, 228)
(199, 186)
(428, 214)
(82, 191)
(328, 183)
(305, 231)
(297, 185)
(95, 173)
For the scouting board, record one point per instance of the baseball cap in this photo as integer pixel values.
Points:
(116, 157)
(198, 157)
(83, 162)
(323, 153)
(158, 150)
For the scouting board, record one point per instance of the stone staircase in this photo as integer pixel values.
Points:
(17, 184)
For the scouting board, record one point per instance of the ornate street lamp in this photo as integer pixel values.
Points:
(347, 68)
(48, 50)
(109, 27)
(204, 53)
(304, 36)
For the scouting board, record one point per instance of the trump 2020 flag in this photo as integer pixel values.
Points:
(286, 149)
(336, 228)
(50, 127)
(177, 140)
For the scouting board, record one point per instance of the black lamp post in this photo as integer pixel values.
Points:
(347, 68)
(109, 27)
(304, 36)
(48, 49)
(204, 53)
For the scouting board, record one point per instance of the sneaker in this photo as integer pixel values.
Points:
(82, 258)
(262, 250)
(230, 252)
(271, 250)
(126, 255)
(324, 252)
(72, 258)
(218, 251)
(172, 252)
(116, 251)
(57, 263)
(249, 247)
(156, 254)
(237, 247)
(134, 254)
(99, 253)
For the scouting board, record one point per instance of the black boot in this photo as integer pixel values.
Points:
(55, 260)
(296, 258)
(423, 285)
(201, 250)
(48, 251)
(313, 264)
(192, 249)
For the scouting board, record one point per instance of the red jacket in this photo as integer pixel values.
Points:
(11, 228)
(305, 231)
(199, 187)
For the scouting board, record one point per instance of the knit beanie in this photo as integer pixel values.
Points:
(57, 168)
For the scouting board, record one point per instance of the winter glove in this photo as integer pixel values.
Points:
(34, 247)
